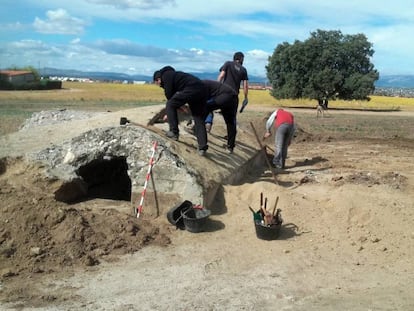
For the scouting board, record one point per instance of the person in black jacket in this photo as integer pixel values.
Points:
(223, 97)
(181, 88)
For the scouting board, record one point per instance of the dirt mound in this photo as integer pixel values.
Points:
(39, 234)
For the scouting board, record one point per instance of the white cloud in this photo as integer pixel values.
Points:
(130, 4)
(59, 22)
(218, 28)
(75, 41)
(197, 51)
(12, 27)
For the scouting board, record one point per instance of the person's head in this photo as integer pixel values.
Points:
(239, 57)
(157, 77)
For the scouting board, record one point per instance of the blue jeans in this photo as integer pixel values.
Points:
(209, 118)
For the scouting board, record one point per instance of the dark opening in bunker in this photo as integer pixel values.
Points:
(107, 179)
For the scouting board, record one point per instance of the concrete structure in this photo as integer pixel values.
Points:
(94, 156)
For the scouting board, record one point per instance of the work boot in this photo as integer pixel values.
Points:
(172, 135)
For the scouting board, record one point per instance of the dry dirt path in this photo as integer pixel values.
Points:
(347, 244)
(40, 137)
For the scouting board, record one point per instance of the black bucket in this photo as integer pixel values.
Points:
(270, 231)
(174, 215)
(195, 219)
(267, 232)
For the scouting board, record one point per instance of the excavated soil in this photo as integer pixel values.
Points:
(346, 243)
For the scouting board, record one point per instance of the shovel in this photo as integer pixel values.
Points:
(256, 215)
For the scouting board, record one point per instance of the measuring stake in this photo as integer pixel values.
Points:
(151, 163)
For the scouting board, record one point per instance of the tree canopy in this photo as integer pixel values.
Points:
(328, 65)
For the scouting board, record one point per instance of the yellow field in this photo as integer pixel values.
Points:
(76, 92)
(89, 92)
(17, 106)
(263, 97)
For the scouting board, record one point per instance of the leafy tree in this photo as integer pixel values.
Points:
(328, 65)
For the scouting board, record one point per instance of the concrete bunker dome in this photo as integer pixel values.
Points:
(112, 162)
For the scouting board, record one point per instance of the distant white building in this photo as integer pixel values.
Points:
(71, 79)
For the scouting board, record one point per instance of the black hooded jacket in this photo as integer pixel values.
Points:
(215, 88)
(175, 81)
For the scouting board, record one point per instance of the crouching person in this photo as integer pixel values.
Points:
(283, 123)
(223, 97)
(181, 88)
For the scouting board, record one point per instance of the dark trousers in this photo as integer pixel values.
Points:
(227, 103)
(196, 98)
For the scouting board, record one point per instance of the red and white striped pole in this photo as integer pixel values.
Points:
(151, 163)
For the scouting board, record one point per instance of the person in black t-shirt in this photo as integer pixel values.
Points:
(233, 73)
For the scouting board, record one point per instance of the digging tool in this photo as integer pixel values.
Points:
(149, 127)
(262, 209)
(252, 210)
(270, 148)
(256, 215)
(261, 200)
(265, 153)
(264, 213)
(274, 207)
(158, 117)
(268, 218)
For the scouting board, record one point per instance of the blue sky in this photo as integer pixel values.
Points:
(141, 36)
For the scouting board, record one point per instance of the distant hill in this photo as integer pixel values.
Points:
(213, 76)
(116, 76)
(94, 75)
(406, 81)
(394, 81)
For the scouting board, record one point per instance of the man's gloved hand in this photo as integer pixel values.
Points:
(244, 104)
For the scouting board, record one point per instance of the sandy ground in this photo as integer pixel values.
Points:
(346, 242)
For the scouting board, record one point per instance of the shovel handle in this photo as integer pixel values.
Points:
(274, 207)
